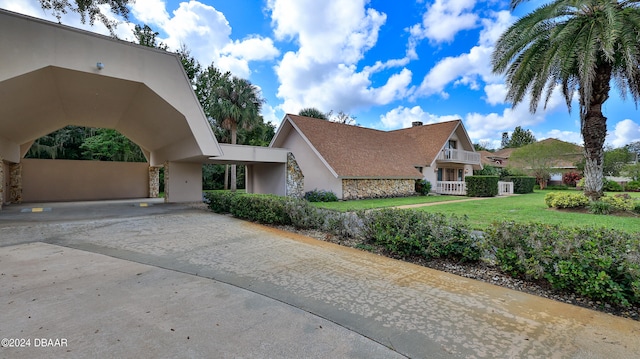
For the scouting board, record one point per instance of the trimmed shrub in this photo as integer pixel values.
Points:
(262, 208)
(620, 202)
(522, 184)
(320, 196)
(220, 202)
(600, 207)
(601, 264)
(405, 232)
(633, 186)
(566, 200)
(423, 187)
(612, 186)
(561, 187)
(636, 208)
(482, 186)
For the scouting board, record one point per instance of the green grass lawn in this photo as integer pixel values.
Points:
(531, 208)
(345, 206)
(520, 208)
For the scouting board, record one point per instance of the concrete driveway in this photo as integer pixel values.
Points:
(177, 281)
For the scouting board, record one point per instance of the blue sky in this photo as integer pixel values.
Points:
(387, 63)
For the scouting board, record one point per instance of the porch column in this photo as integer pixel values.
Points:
(15, 183)
(166, 182)
(154, 182)
(1, 183)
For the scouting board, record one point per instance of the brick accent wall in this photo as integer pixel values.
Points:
(154, 182)
(377, 188)
(295, 178)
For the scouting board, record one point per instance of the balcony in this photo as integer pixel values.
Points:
(458, 188)
(459, 156)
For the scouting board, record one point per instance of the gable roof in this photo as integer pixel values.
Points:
(359, 152)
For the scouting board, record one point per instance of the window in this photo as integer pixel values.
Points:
(460, 174)
(439, 174)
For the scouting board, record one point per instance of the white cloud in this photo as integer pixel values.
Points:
(444, 19)
(496, 93)
(494, 27)
(465, 69)
(150, 11)
(402, 117)
(625, 132)
(323, 71)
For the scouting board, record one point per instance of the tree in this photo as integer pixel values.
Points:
(519, 138)
(483, 146)
(541, 159)
(229, 102)
(313, 112)
(342, 117)
(89, 9)
(111, 145)
(615, 159)
(147, 37)
(577, 45)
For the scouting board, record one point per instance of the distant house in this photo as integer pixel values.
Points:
(356, 162)
(564, 163)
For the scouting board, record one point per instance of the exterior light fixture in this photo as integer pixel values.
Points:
(100, 65)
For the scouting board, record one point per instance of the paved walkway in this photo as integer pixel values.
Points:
(188, 283)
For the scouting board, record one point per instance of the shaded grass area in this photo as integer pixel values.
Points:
(531, 208)
(347, 206)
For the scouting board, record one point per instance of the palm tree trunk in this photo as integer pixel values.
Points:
(234, 130)
(594, 132)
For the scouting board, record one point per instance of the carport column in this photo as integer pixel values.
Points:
(295, 178)
(166, 182)
(15, 183)
(1, 182)
(154, 182)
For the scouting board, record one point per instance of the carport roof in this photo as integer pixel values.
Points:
(49, 79)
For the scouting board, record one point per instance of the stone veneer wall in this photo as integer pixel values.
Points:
(166, 182)
(295, 178)
(1, 183)
(15, 183)
(154, 182)
(376, 188)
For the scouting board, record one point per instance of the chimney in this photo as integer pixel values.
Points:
(416, 123)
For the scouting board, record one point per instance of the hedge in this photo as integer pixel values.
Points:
(482, 186)
(522, 184)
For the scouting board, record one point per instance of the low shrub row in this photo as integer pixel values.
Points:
(320, 196)
(601, 264)
(605, 205)
(566, 200)
(522, 184)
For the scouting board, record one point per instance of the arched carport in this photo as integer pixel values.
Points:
(53, 76)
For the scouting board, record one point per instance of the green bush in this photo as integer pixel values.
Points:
(600, 207)
(636, 208)
(566, 200)
(601, 264)
(482, 186)
(320, 196)
(633, 186)
(405, 232)
(612, 186)
(558, 187)
(220, 202)
(620, 202)
(262, 208)
(522, 184)
(423, 187)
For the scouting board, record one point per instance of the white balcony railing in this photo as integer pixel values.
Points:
(505, 188)
(459, 156)
(451, 187)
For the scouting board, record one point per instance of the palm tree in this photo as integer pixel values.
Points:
(235, 102)
(578, 45)
(313, 112)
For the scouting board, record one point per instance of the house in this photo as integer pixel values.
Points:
(565, 162)
(357, 162)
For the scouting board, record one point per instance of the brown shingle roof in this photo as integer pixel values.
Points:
(359, 152)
